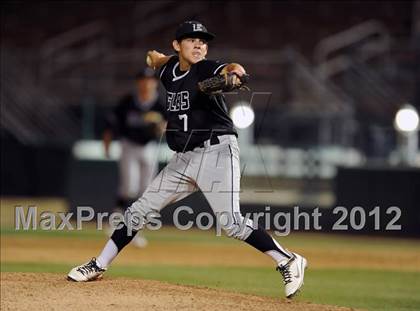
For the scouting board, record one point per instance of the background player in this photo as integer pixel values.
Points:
(201, 133)
(137, 121)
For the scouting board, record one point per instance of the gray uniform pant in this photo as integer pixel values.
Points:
(137, 167)
(214, 170)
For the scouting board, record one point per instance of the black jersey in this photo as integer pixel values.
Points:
(193, 116)
(127, 119)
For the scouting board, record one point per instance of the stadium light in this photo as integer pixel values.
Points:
(242, 115)
(407, 125)
(407, 119)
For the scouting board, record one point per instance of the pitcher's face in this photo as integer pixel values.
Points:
(191, 50)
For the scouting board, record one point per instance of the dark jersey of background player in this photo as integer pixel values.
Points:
(127, 119)
(193, 117)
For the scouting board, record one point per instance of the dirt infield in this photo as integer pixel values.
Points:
(44, 291)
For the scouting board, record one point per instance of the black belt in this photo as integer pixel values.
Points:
(214, 140)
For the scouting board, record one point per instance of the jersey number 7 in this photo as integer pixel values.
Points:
(185, 118)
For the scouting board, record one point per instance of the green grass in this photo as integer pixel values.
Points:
(372, 290)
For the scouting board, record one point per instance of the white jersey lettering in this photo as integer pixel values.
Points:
(178, 101)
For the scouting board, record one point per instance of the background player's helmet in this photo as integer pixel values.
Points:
(193, 29)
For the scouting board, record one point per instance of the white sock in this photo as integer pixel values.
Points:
(279, 256)
(108, 254)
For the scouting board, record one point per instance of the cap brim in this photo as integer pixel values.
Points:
(208, 36)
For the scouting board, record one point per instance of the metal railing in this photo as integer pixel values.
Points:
(331, 54)
(361, 62)
(32, 113)
(76, 46)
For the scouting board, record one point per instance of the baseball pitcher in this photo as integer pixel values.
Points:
(202, 134)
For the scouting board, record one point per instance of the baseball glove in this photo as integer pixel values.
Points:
(223, 83)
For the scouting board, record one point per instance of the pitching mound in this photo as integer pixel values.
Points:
(44, 291)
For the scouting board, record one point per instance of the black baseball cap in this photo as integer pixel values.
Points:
(193, 29)
(145, 73)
